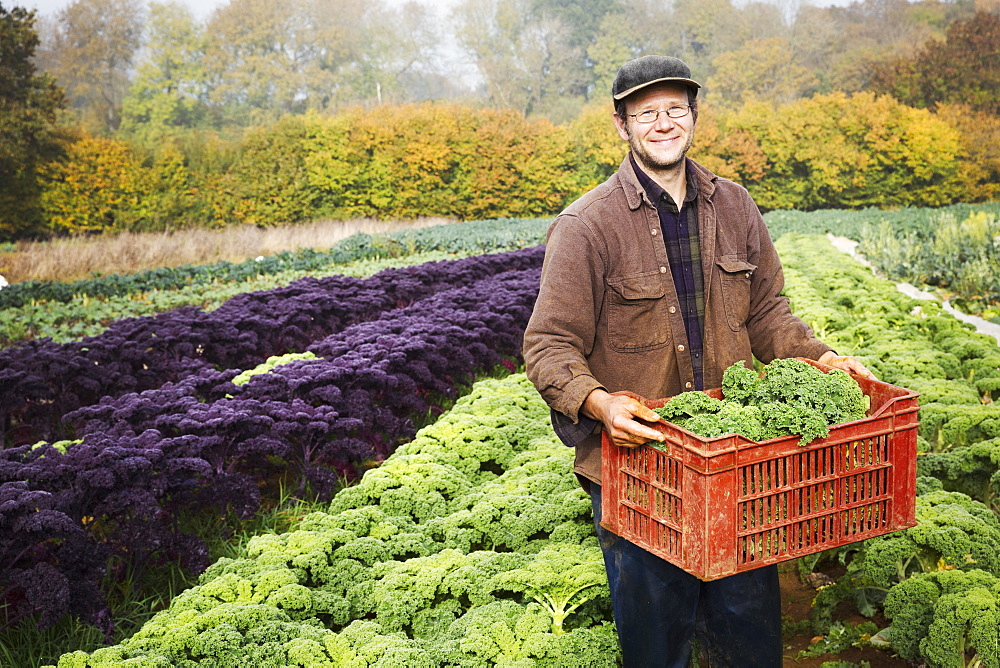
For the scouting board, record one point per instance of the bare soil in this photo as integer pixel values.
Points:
(796, 604)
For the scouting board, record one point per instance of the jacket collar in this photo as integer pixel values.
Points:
(634, 193)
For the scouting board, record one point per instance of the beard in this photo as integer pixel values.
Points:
(660, 162)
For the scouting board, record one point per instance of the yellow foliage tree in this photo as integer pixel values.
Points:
(440, 159)
(842, 151)
(980, 157)
(101, 186)
(601, 149)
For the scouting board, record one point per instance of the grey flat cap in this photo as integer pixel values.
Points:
(642, 72)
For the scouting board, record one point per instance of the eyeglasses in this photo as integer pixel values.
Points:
(650, 115)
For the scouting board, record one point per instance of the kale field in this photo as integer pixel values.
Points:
(332, 458)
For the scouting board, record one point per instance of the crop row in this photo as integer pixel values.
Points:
(89, 316)
(471, 545)
(472, 237)
(41, 381)
(938, 582)
(852, 223)
(117, 497)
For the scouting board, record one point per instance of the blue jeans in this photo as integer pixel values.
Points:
(660, 610)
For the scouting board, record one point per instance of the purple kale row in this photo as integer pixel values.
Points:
(100, 512)
(41, 381)
(354, 404)
(50, 566)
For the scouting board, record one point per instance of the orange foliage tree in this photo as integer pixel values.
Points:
(963, 69)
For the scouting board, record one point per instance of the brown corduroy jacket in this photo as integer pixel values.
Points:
(607, 315)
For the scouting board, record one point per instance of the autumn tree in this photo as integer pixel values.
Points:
(980, 137)
(843, 151)
(839, 44)
(963, 68)
(101, 186)
(92, 52)
(29, 104)
(767, 70)
(525, 57)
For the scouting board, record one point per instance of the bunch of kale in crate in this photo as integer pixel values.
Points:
(792, 397)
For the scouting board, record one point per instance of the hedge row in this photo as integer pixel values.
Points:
(829, 151)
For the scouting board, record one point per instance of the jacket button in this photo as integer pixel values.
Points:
(687, 386)
(663, 270)
(653, 231)
(672, 309)
(681, 347)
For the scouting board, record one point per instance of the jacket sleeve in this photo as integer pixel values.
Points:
(773, 330)
(561, 331)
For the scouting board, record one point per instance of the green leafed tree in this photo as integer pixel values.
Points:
(266, 58)
(761, 69)
(29, 104)
(525, 55)
(168, 92)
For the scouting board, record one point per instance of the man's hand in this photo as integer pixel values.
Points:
(617, 413)
(846, 363)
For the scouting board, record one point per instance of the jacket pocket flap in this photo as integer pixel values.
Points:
(734, 266)
(639, 287)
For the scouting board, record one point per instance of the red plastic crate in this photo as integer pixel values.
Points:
(723, 505)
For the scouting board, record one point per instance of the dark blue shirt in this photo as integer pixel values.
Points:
(679, 227)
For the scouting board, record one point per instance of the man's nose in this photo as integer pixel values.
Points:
(664, 122)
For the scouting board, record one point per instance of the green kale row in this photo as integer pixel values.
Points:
(939, 581)
(472, 545)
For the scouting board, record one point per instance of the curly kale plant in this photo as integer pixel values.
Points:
(793, 397)
(953, 531)
(946, 618)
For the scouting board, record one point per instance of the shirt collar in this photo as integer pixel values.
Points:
(653, 190)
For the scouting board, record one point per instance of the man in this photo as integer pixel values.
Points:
(656, 281)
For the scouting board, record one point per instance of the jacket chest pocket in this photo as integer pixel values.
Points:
(735, 280)
(635, 313)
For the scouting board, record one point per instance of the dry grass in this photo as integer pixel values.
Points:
(77, 258)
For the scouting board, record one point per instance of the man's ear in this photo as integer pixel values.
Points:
(622, 128)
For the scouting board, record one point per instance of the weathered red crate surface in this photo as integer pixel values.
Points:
(719, 506)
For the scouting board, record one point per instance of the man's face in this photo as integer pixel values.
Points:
(661, 145)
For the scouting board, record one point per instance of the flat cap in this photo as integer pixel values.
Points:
(642, 72)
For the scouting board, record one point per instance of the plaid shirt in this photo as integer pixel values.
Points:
(684, 254)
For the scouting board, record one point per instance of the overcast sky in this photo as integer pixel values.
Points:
(202, 8)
